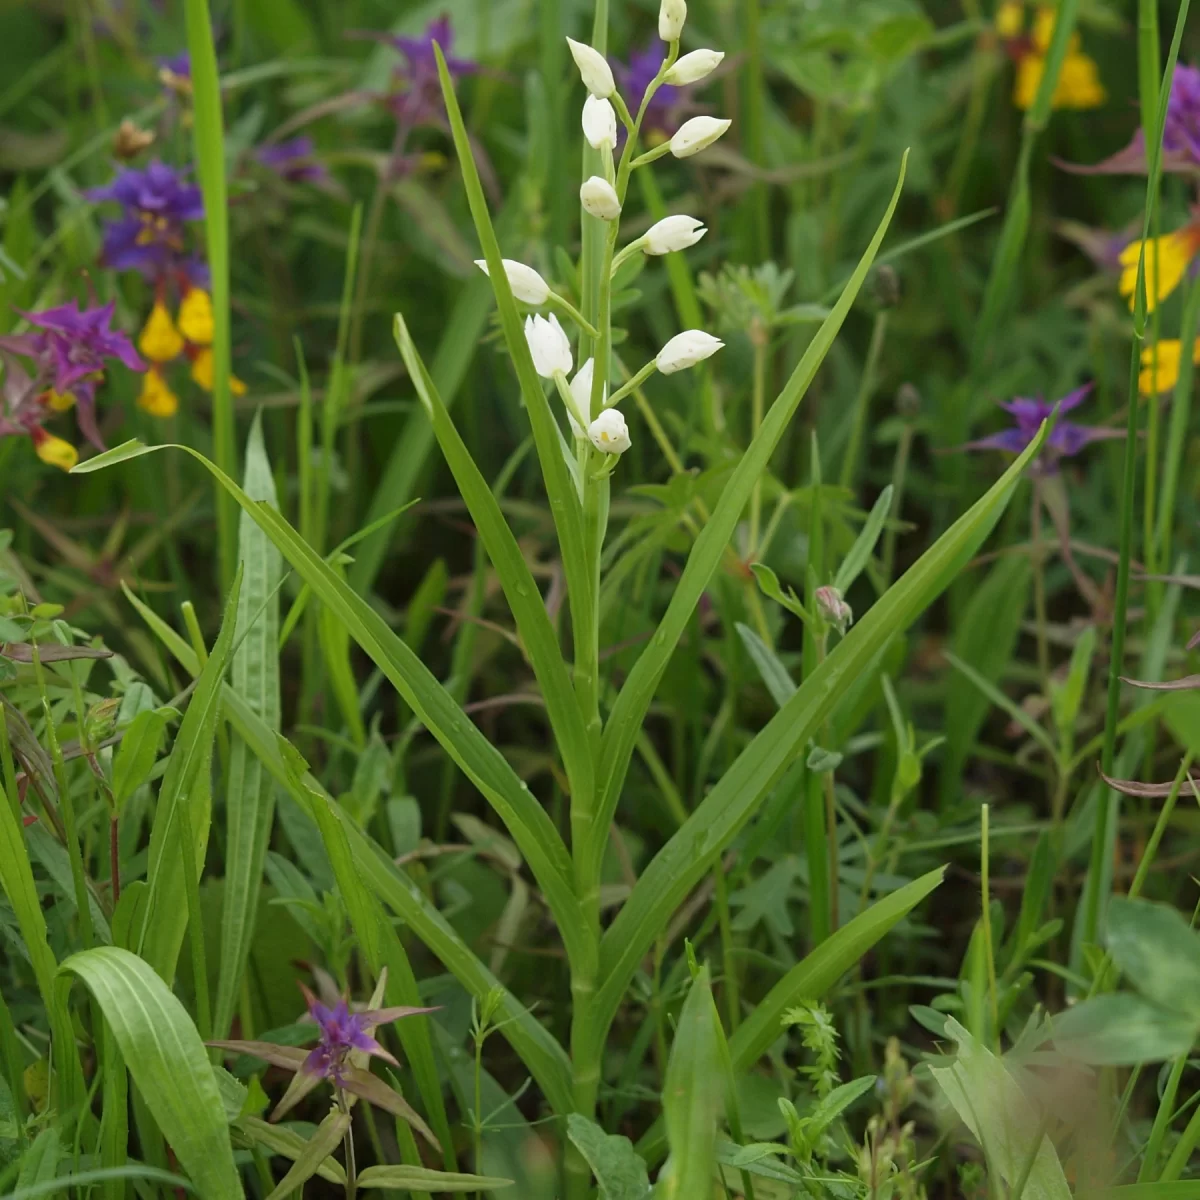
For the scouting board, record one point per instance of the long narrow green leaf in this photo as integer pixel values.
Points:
(560, 488)
(692, 850)
(209, 141)
(185, 785)
(1003, 702)
(536, 1046)
(528, 823)
(254, 675)
(524, 597)
(167, 1060)
(629, 711)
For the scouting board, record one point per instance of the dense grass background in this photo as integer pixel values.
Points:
(855, 878)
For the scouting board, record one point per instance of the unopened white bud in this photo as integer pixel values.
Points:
(833, 607)
(673, 233)
(549, 346)
(581, 391)
(599, 123)
(697, 134)
(685, 350)
(693, 67)
(527, 285)
(594, 70)
(600, 199)
(609, 433)
(671, 16)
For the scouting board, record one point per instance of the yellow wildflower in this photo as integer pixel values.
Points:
(156, 397)
(196, 317)
(1167, 357)
(54, 450)
(160, 341)
(1078, 86)
(58, 401)
(1167, 261)
(202, 373)
(1010, 18)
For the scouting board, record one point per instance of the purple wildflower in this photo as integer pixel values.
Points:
(342, 1032)
(149, 235)
(1066, 439)
(293, 160)
(69, 349)
(663, 111)
(415, 97)
(178, 65)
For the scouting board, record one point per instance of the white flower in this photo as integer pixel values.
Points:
(581, 390)
(673, 233)
(693, 67)
(671, 16)
(697, 134)
(599, 123)
(598, 198)
(686, 350)
(526, 283)
(549, 346)
(593, 69)
(608, 432)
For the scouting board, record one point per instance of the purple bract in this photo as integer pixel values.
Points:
(294, 160)
(343, 1031)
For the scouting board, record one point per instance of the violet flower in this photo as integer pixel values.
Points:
(343, 1031)
(1065, 440)
(149, 236)
(294, 161)
(69, 349)
(1181, 135)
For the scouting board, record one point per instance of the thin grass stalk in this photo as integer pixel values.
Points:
(1128, 488)
(1181, 412)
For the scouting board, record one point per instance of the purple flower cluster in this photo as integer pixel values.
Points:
(342, 1032)
(150, 234)
(294, 160)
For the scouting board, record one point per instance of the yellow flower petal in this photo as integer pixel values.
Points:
(1030, 68)
(54, 450)
(160, 341)
(59, 401)
(1043, 28)
(1010, 18)
(1079, 84)
(1167, 261)
(1167, 356)
(196, 317)
(156, 397)
(202, 373)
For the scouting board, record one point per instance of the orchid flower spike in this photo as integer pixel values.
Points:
(693, 67)
(599, 123)
(609, 433)
(599, 198)
(686, 350)
(548, 345)
(671, 16)
(697, 134)
(594, 70)
(527, 285)
(673, 233)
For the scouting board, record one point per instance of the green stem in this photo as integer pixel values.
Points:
(1181, 411)
(728, 960)
(985, 895)
(758, 388)
(862, 401)
(899, 478)
(564, 305)
(632, 384)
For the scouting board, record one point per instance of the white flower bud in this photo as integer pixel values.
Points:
(527, 285)
(693, 67)
(697, 134)
(549, 346)
(599, 123)
(673, 233)
(581, 390)
(598, 198)
(833, 608)
(594, 70)
(671, 16)
(609, 433)
(685, 350)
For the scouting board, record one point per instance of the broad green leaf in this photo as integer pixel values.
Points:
(254, 675)
(536, 1046)
(1123, 1029)
(136, 755)
(769, 585)
(527, 821)
(168, 1063)
(632, 703)
(413, 1178)
(184, 808)
(619, 1170)
(521, 590)
(859, 555)
(689, 853)
(1158, 951)
(773, 673)
(989, 1101)
(325, 1139)
(691, 1099)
